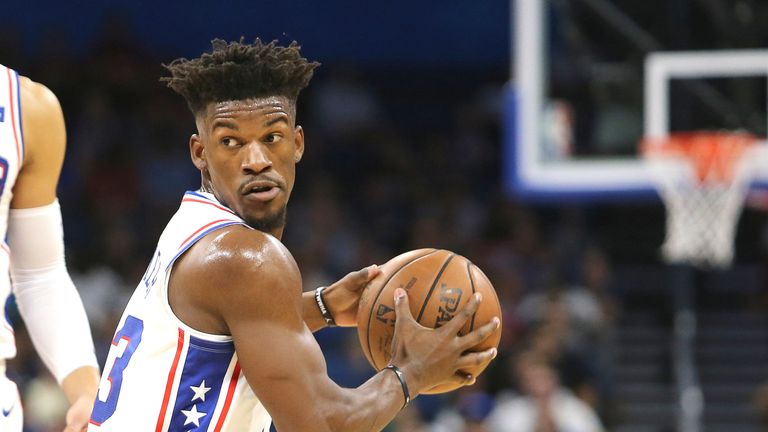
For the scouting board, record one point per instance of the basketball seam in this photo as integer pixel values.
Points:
(432, 288)
(375, 299)
(471, 284)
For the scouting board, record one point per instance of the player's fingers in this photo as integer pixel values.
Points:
(459, 378)
(469, 379)
(476, 359)
(480, 334)
(358, 279)
(371, 272)
(402, 308)
(461, 318)
(462, 378)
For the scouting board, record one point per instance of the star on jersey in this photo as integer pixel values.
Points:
(193, 416)
(200, 391)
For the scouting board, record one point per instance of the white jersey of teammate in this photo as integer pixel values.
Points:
(162, 375)
(11, 159)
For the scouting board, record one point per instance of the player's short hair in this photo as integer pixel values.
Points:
(239, 71)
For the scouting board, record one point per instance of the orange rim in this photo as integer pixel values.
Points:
(713, 154)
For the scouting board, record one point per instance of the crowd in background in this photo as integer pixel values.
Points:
(396, 159)
(393, 162)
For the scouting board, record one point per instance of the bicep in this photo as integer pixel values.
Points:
(260, 304)
(44, 141)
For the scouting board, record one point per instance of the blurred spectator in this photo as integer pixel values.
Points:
(467, 413)
(543, 406)
(557, 331)
(44, 405)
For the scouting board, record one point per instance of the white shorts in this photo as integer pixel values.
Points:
(11, 418)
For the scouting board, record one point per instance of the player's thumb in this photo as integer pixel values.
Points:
(371, 272)
(365, 274)
(360, 278)
(402, 307)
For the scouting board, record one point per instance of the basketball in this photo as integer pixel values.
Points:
(439, 283)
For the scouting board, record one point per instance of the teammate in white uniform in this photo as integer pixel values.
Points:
(217, 335)
(32, 142)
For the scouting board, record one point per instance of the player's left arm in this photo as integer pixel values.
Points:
(341, 298)
(48, 300)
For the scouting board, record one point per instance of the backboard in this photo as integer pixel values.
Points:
(591, 78)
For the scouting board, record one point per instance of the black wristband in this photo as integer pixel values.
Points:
(401, 378)
(324, 310)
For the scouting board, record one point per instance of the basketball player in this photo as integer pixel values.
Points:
(32, 141)
(217, 335)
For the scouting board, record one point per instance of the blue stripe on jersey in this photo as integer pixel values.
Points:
(198, 237)
(21, 124)
(10, 308)
(197, 195)
(201, 384)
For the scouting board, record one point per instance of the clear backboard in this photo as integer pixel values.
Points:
(591, 78)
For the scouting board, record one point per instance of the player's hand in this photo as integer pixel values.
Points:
(79, 414)
(429, 357)
(343, 297)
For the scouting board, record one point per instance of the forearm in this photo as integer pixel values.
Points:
(47, 298)
(293, 384)
(82, 382)
(311, 313)
(368, 408)
(380, 399)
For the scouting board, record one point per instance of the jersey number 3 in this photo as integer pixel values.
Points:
(126, 340)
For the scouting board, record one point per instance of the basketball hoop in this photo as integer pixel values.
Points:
(703, 179)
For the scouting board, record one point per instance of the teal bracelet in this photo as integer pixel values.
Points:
(400, 377)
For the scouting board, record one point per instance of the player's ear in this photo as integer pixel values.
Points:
(299, 144)
(197, 152)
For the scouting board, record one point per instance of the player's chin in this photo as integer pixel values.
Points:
(267, 220)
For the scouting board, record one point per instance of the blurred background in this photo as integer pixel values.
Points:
(403, 125)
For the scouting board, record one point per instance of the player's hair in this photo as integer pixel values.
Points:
(239, 71)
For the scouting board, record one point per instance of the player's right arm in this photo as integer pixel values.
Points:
(47, 298)
(254, 294)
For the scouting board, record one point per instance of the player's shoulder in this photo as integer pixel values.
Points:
(243, 252)
(36, 98)
(43, 119)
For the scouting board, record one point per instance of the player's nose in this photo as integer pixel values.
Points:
(255, 158)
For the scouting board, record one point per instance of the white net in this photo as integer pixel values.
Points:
(704, 197)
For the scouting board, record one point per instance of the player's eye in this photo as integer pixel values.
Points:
(273, 138)
(229, 141)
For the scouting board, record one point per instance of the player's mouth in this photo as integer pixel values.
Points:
(261, 190)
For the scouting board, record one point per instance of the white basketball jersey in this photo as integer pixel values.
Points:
(11, 159)
(162, 375)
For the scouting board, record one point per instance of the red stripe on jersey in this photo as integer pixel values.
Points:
(228, 400)
(13, 117)
(169, 383)
(202, 228)
(220, 207)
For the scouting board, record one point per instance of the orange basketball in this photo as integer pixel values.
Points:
(439, 283)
